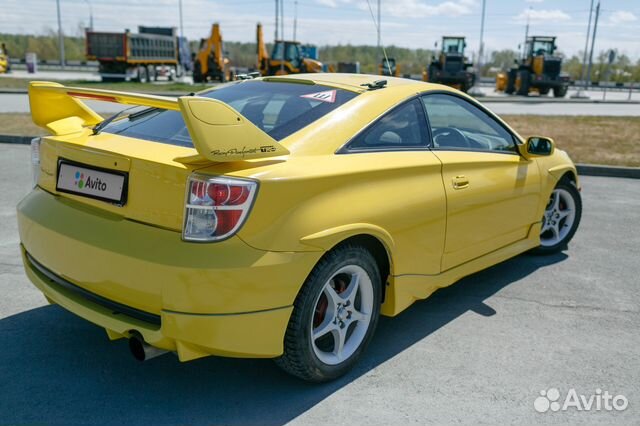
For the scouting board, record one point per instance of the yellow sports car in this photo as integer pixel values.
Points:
(278, 217)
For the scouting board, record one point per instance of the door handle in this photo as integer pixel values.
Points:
(460, 182)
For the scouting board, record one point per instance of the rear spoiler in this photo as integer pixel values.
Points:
(219, 132)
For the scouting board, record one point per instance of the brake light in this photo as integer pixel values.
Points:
(216, 207)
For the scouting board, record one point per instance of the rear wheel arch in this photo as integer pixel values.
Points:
(378, 250)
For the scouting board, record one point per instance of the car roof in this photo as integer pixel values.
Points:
(354, 82)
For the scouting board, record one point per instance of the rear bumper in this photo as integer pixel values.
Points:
(224, 298)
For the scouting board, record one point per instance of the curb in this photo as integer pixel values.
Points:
(19, 140)
(608, 171)
(583, 169)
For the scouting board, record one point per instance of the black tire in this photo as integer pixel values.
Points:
(511, 82)
(560, 91)
(299, 358)
(197, 72)
(142, 75)
(570, 188)
(523, 90)
(151, 73)
(431, 74)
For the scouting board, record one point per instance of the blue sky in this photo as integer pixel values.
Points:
(408, 23)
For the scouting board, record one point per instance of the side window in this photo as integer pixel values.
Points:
(402, 128)
(457, 124)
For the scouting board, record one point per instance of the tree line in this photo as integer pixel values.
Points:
(411, 61)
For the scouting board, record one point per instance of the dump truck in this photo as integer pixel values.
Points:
(451, 67)
(538, 70)
(286, 57)
(389, 67)
(142, 57)
(211, 62)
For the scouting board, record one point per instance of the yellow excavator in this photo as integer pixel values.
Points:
(286, 58)
(210, 63)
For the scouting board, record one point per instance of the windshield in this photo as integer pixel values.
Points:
(453, 45)
(279, 109)
(542, 47)
(292, 51)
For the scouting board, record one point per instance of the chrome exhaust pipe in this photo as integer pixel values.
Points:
(141, 350)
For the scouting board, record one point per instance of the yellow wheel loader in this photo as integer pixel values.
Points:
(539, 70)
(451, 67)
(286, 58)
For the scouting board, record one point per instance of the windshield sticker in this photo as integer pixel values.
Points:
(328, 96)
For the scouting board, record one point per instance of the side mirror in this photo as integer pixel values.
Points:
(537, 146)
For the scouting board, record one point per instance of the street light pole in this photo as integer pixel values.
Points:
(295, 20)
(475, 90)
(60, 35)
(379, 39)
(181, 23)
(581, 93)
(90, 14)
(593, 42)
(277, 19)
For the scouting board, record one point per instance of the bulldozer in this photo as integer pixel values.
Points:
(539, 70)
(286, 58)
(451, 67)
(211, 63)
(389, 67)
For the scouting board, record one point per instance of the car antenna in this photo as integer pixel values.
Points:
(377, 25)
(378, 84)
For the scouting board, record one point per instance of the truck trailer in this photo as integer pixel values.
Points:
(142, 57)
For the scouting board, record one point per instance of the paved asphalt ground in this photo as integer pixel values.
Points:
(479, 351)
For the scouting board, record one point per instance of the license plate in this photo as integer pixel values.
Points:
(91, 182)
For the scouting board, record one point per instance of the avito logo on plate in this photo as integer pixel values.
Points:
(83, 181)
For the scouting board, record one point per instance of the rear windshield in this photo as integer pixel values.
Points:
(279, 109)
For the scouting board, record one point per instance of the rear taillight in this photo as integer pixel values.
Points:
(216, 207)
(35, 160)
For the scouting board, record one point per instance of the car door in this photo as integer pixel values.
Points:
(403, 181)
(492, 193)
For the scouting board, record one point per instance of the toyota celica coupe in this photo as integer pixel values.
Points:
(278, 217)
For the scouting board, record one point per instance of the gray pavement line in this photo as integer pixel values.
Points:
(567, 306)
(583, 169)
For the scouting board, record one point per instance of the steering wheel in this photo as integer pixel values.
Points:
(450, 137)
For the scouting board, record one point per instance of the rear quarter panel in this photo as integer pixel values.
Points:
(312, 203)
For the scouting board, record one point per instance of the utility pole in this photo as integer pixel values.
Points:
(284, 45)
(181, 23)
(90, 14)
(277, 19)
(295, 20)
(581, 93)
(526, 34)
(379, 39)
(593, 42)
(475, 90)
(60, 36)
